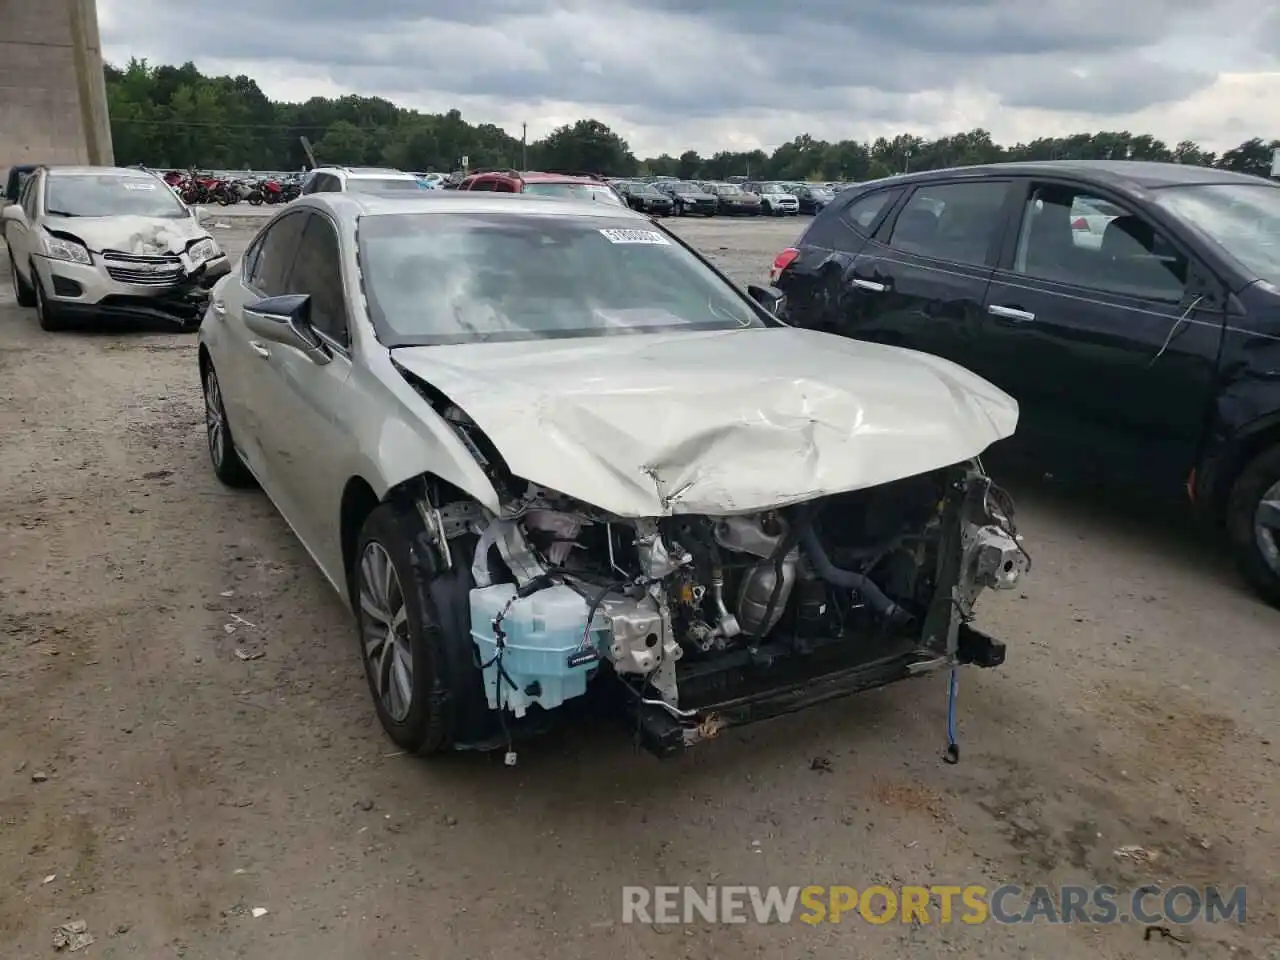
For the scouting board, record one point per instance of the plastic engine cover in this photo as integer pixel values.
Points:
(543, 652)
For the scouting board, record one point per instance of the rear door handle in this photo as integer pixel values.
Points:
(871, 285)
(259, 348)
(1010, 313)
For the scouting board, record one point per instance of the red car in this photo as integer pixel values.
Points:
(578, 187)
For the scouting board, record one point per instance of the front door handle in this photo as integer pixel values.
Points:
(872, 285)
(219, 308)
(259, 348)
(1010, 313)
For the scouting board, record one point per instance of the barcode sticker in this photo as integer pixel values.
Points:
(616, 235)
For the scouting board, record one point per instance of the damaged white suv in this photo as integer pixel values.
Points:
(549, 455)
(92, 242)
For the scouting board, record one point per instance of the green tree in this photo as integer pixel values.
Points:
(587, 145)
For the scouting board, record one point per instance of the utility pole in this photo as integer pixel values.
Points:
(524, 146)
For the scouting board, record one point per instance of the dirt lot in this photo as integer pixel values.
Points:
(159, 788)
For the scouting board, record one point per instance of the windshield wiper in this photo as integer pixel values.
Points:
(61, 213)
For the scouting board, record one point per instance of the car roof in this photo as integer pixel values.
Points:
(464, 201)
(1143, 174)
(90, 171)
(537, 176)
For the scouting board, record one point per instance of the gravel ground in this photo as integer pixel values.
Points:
(159, 788)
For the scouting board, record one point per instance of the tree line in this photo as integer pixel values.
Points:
(175, 116)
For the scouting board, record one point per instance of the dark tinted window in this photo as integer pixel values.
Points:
(278, 247)
(951, 221)
(864, 212)
(317, 272)
(1071, 236)
(481, 185)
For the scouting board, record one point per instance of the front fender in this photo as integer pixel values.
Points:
(402, 437)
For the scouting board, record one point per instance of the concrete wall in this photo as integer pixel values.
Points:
(53, 99)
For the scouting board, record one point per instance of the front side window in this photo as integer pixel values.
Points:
(1242, 218)
(951, 221)
(110, 195)
(1071, 236)
(460, 278)
(317, 272)
(276, 251)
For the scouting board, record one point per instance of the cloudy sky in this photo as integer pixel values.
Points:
(737, 74)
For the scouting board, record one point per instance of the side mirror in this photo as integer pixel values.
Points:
(13, 211)
(287, 320)
(771, 298)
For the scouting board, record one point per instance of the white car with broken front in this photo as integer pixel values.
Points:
(90, 243)
(552, 460)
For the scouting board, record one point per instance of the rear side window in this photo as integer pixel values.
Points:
(864, 212)
(951, 221)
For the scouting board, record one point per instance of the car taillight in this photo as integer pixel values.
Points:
(1079, 223)
(782, 261)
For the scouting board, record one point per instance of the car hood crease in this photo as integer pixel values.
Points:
(715, 423)
(145, 236)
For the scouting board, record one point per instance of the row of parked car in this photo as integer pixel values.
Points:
(669, 196)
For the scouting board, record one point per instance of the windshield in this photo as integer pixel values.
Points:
(1243, 219)
(443, 278)
(772, 188)
(110, 195)
(574, 191)
(822, 193)
(683, 186)
(383, 185)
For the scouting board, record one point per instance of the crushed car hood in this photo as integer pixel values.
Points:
(145, 236)
(715, 423)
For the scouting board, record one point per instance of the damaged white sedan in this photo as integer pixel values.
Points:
(549, 455)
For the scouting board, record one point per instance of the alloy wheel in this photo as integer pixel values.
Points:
(1266, 527)
(384, 632)
(214, 418)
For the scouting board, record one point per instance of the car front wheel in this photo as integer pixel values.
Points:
(47, 314)
(227, 465)
(1253, 524)
(413, 620)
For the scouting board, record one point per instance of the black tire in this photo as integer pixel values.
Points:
(48, 316)
(447, 705)
(227, 465)
(22, 291)
(1261, 475)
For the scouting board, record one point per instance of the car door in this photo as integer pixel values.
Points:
(18, 233)
(1109, 343)
(815, 281)
(242, 369)
(921, 281)
(304, 425)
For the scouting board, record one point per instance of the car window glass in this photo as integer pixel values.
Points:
(482, 185)
(250, 259)
(951, 221)
(1070, 236)
(29, 198)
(862, 213)
(279, 246)
(317, 272)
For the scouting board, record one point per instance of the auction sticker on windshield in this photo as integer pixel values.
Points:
(139, 186)
(617, 235)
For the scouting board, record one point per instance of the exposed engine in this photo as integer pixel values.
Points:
(562, 591)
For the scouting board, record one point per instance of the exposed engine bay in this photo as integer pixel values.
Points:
(706, 621)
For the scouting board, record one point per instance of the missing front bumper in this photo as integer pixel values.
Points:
(741, 699)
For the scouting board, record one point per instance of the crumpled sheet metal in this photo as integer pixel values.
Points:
(144, 236)
(715, 423)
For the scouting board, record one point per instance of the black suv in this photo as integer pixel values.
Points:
(1132, 309)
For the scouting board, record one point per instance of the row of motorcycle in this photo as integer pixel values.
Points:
(199, 188)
